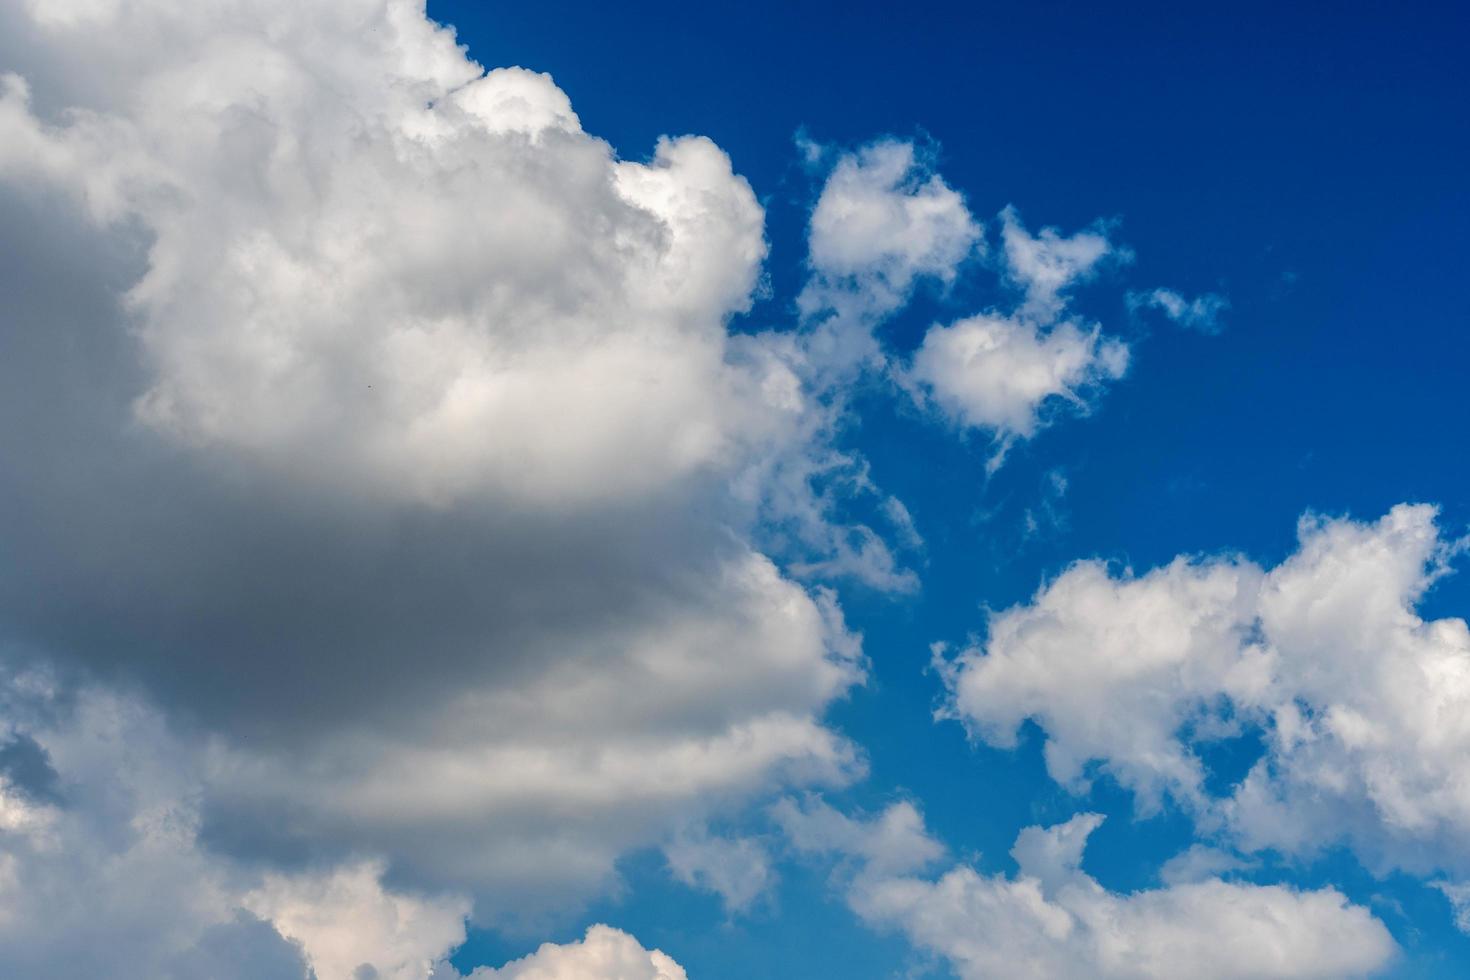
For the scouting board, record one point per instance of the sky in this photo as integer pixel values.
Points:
(565, 492)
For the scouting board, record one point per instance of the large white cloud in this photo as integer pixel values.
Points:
(1362, 705)
(1051, 919)
(436, 286)
(390, 423)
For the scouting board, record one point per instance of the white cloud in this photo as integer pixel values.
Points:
(1457, 893)
(113, 880)
(1360, 702)
(996, 373)
(894, 842)
(738, 869)
(399, 461)
(437, 287)
(884, 221)
(1051, 919)
(1048, 264)
(603, 954)
(345, 920)
(1201, 313)
(1004, 372)
(395, 420)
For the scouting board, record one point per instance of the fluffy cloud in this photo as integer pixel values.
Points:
(604, 954)
(1002, 372)
(996, 373)
(390, 420)
(1053, 920)
(1360, 703)
(884, 221)
(110, 878)
(350, 289)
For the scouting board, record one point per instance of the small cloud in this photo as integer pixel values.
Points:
(737, 869)
(1201, 313)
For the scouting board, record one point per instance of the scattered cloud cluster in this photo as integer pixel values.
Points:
(1051, 919)
(1000, 372)
(886, 222)
(1360, 704)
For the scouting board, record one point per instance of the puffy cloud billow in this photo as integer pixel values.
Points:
(372, 429)
(1359, 703)
(1003, 372)
(1051, 919)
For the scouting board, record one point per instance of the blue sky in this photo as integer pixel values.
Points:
(431, 529)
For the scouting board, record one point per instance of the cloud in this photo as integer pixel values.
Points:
(1359, 702)
(996, 373)
(1048, 264)
(391, 428)
(884, 221)
(350, 926)
(1201, 313)
(115, 881)
(603, 954)
(738, 869)
(1458, 895)
(1051, 919)
(1004, 372)
(107, 878)
(894, 842)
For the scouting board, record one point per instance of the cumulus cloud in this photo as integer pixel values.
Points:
(348, 289)
(391, 425)
(110, 880)
(1201, 313)
(996, 373)
(603, 954)
(884, 221)
(1004, 372)
(1359, 702)
(1051, 919)
(113, 880)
